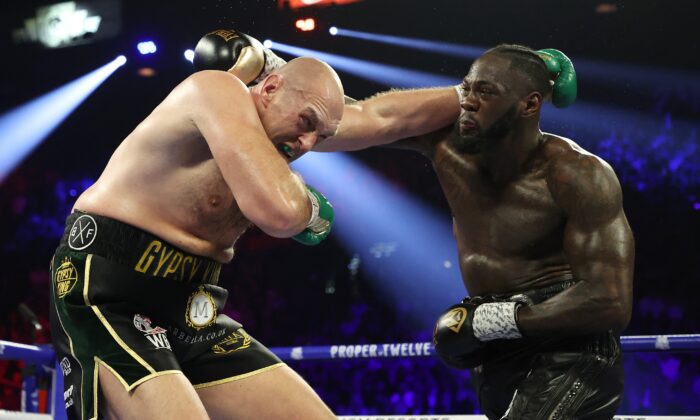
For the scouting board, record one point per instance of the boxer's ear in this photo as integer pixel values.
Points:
(533, 103)
(270, 86)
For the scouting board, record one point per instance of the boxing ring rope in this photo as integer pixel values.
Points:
(635, 343)
(43, 358)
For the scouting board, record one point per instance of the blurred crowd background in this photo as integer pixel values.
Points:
(638, 108)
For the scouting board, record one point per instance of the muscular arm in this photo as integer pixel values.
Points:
(265, 189)
(393, 115)
(599, 245)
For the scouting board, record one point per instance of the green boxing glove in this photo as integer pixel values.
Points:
(321, 219)
(562, 71)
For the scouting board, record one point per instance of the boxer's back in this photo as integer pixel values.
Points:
(163, 179)
(509, 236)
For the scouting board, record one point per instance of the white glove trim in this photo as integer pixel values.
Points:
(316, 224)
(272, 63)
(493, 321)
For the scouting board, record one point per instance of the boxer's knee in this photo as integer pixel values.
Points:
(248, 397)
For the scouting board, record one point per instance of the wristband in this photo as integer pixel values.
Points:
(316, 223)
(493, 321)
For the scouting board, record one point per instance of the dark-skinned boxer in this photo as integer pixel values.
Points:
(545, 249)
(553, 290)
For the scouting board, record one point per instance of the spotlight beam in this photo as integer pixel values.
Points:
(446, 48)
(381, 73)
(609, 73)
(406, 247)
(25, 127)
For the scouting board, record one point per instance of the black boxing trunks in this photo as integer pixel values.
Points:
(550, 378)
(140, 307)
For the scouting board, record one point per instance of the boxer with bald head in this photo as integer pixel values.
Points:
(136, 313)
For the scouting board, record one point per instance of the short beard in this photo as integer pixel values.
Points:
(484, 140)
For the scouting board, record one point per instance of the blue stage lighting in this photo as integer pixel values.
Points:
(24, 127)
(267, 43)
(457, 50)
(406, 248)
(147, 47)
(637, 77)
(381, 73)
(599, 121)
(189, 55)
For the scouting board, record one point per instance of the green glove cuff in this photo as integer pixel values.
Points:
(563, 73)
(322, 215)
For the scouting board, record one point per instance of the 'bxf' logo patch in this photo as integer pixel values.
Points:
(65, 278)
(82, 233)
(201, 309)
(455, 318)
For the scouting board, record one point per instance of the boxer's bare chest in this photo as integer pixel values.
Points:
(210, 204)
(510, 234)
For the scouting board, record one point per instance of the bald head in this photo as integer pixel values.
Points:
(300, 103)
(309, 72)
(314, 77)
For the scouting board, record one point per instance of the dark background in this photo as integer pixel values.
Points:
(287, 303)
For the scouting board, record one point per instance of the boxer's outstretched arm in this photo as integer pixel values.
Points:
(393, 115)
(265, 189)
(599, 245)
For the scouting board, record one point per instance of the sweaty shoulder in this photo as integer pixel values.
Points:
(581, 183)
(213, 85)
(218, 101)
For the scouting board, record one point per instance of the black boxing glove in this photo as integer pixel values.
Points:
(460, 333)
(236, 53)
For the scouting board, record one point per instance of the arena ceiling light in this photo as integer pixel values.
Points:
(306, 25)
(296, 4)
(189, 55)
(69, 23)
(146, 47)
